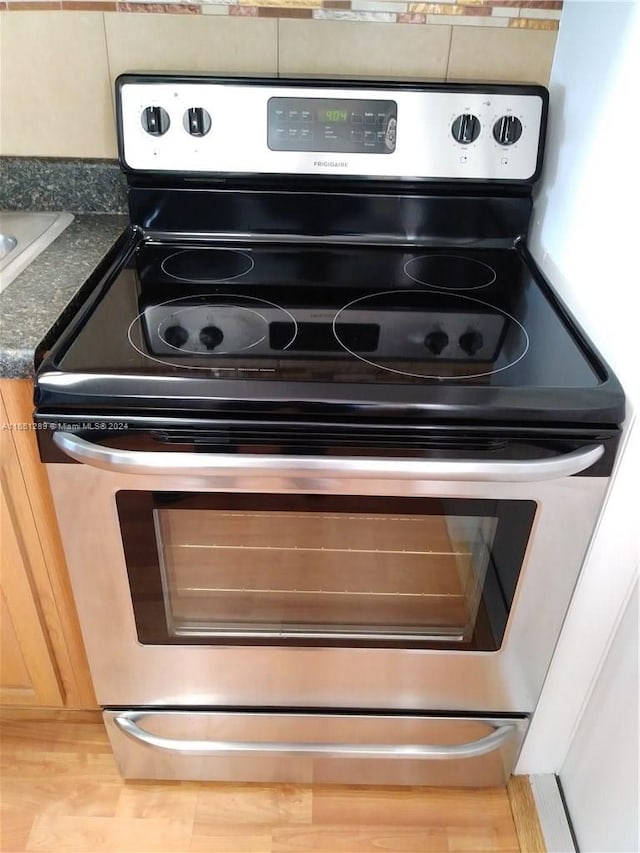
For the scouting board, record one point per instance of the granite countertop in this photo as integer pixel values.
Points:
(30, 305)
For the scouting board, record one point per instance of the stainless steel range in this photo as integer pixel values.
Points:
(326, 449)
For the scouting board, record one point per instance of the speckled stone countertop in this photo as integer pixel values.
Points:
(80, 186)
(95, 192)
(31, 304)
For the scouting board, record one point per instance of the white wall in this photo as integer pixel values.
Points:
(608, 730)
(586, 237)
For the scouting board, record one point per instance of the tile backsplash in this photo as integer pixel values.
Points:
(527, 14)
(59, 58)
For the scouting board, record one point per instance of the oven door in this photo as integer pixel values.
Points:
(214, 580)
(322, 569)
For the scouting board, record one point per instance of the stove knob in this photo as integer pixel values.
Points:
(197, 121)
(211, 337)
(155, 121)
(507, 130)
(466, 129)
(436, 341)
(470, 342)
(176, 336)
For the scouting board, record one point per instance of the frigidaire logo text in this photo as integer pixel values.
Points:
(341, 163)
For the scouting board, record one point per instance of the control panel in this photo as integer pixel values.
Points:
(332, 124)
(210, 125)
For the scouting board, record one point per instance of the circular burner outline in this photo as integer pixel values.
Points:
(443, 287)
(245, 255)
(138, 317)
(217, 351)
(427, 375)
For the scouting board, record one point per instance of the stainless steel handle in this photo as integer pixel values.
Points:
(127, 722)
(231, 465)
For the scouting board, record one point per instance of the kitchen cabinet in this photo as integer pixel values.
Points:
(42, 658)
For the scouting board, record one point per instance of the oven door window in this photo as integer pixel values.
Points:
(313, 569)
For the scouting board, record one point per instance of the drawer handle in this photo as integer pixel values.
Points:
(127, 722)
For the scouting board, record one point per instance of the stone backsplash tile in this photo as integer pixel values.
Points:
(56, 92)
(519, 55)
(160, 8)
(362, 48)
(530, 14)
(211, 44)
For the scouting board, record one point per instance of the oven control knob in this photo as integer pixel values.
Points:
(211, 337)
(466, 128)
(507, 130)
(197, 121)
(436, 341)
(155, 120)
(470, 342)
(176, 336)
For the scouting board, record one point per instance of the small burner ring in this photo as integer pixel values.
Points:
(436, 270)
(207, 265)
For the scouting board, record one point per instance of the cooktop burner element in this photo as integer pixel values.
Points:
(450, 272)
(207, 265)
(479, 340)
(207, 326)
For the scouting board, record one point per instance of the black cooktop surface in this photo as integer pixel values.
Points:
(450, 331)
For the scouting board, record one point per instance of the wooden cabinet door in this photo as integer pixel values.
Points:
(28, 673)
(42, 658)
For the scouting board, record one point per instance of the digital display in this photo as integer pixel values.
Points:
(332, 125)
(334, 115)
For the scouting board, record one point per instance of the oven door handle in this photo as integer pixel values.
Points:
(231, 465)
(127, 722)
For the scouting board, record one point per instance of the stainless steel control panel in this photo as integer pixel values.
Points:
(209, 125)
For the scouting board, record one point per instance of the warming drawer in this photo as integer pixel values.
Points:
(376, 749)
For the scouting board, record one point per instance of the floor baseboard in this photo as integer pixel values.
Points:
(552, 814)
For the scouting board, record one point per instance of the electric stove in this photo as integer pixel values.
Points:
(326, 448)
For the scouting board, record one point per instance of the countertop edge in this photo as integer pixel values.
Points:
(31, 305)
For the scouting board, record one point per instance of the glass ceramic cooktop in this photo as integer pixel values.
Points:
(378, 316)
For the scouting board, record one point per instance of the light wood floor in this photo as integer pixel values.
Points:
(60, 791)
